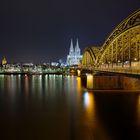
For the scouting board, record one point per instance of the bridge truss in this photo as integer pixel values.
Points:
(120, 51)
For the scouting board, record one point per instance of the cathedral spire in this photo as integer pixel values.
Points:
(77, 44)
(77, 49)
(74, 57)
(71, 48)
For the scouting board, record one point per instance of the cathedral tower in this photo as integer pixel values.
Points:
(77, 49)
(74, 56)
(71, 51)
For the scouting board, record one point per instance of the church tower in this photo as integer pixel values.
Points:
(77, 49)
(71, 51)
(74, 57)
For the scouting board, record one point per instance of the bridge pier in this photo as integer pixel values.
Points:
(90, 81)
(78, 73)
(102, 81)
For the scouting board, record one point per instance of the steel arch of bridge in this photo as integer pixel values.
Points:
(90, 55)
(121, 48)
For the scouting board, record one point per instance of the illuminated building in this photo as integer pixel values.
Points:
(4, 61)
(74, 57)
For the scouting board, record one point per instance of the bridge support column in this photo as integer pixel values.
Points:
(78, 73)
(89, 81)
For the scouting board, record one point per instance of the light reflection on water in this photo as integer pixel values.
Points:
(138, 106)
(12, 87)
(56, 106)
(2, 83)
(87, 101)
(36, 84)
(89, 105)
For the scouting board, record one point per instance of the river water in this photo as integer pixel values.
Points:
(56, 107)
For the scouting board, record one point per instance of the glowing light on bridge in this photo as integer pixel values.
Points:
(89, 81)
(78, 72)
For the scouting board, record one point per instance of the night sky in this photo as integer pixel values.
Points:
(40, 30)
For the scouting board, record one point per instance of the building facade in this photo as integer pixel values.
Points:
(74, 57)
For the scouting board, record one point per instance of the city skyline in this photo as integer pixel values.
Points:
(40, 31)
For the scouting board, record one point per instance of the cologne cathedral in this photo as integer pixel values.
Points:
(74, 57)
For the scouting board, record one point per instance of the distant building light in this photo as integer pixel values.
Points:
(28, 64)
(4, 61)
(54, 64)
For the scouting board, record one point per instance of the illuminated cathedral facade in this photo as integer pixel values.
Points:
(74, 57)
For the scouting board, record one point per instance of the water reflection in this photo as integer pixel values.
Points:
(27, 87)
(12, 86)
(79, 85)
(1, 83)
(86, 100)
(44, 106)
(89, 105)
(52, 83)
(36, 83)
(138, 109)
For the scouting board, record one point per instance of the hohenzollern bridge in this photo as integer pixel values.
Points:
(121, 50)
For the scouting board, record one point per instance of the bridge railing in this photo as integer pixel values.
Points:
(120, 70)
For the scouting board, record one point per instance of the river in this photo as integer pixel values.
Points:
(56, 107)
